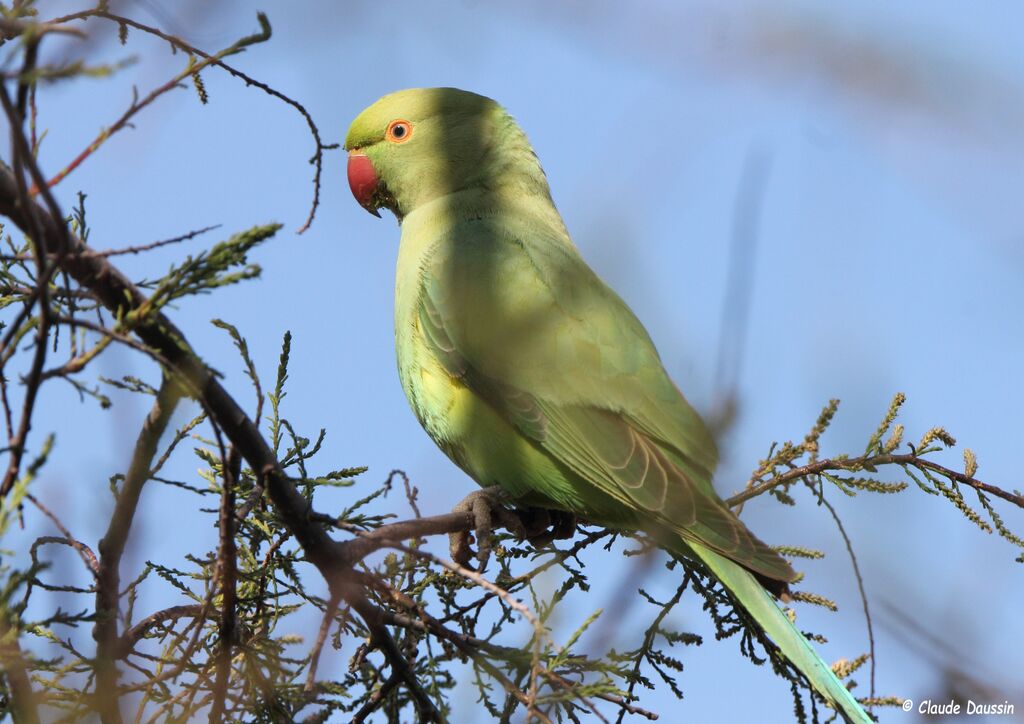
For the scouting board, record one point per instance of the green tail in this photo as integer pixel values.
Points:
(763, 609)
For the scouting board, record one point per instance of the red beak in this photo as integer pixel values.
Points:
(362, 179)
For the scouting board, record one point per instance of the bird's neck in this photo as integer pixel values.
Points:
(515, 200)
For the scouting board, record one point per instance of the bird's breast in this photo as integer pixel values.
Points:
(434, 395)
(440, 401)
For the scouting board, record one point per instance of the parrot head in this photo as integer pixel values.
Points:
(416, 145)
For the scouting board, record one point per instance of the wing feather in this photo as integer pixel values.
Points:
(530, 329)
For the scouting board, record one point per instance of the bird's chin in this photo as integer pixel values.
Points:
(383, 199)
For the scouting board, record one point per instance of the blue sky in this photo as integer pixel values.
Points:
(889, 259)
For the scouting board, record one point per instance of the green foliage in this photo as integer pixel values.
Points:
(210, 269)
(12, 502)
(790, 464)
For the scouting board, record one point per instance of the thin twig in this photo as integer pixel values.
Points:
(475, 576)
(649, 636)
(618, 701)
(376, 698)
(317, 159)
(22, 159)
(112, 545)
(8, 415)
(140, 248)
(321, 639)
(399, 666)
(205, 612)
(88, 557)
(11, 28)
(137, 632)
(869, 461)
(138, 104)
(819, 491)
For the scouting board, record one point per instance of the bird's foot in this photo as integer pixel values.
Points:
(540, 526)
(487, 506)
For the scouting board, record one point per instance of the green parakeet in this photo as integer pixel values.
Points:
(528, 370)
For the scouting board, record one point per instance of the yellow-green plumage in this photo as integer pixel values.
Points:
(529, 371)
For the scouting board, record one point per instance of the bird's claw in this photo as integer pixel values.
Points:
(541, 525)
(487, 506)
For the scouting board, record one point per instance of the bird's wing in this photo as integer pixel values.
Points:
(527, 325)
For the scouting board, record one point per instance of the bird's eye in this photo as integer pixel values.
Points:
(399, 131)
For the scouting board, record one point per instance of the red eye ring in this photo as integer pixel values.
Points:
(399, 131)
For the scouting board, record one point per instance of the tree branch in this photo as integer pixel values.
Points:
(119, 295)
(112, 546)
(389, 535)
(399, 666)
(22, 158)
(23, 698)
(137, 632)
(866, 462)
(226, 579)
